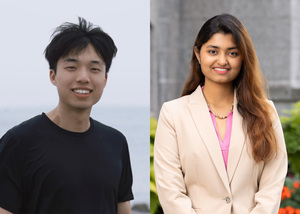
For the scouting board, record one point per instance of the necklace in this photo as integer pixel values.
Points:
(216, 115)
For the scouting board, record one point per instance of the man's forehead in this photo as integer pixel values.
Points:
(88, 51)
(96, 59)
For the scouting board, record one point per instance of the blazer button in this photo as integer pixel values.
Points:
(227, 199)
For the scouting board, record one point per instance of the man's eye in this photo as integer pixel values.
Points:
(70, 68)
(95, 69)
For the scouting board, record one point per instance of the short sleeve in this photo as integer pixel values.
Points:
(125, 186)
(11, 156)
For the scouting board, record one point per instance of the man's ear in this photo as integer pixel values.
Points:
(197, 53)
(52, 76)
(106, 77)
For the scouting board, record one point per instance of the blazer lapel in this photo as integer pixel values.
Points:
(202, 119)
(237, 142)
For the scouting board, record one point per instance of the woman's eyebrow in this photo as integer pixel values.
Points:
(216, 47)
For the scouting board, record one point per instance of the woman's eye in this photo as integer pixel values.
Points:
(233, 53)
(212, 52)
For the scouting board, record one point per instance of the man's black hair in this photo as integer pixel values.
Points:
(71, 38)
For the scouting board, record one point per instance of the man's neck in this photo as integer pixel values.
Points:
(74, 121)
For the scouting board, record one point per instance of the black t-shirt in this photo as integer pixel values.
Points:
(46, 169)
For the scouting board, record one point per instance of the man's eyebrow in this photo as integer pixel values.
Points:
(70, 60)
(216, 47)
(95, 62)
(98, 62)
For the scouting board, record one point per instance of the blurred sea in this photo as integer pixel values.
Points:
(133, 122)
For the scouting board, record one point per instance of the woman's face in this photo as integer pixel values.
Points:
(220, 59)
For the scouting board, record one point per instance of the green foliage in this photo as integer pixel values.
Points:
(154, 202)
(291, 129)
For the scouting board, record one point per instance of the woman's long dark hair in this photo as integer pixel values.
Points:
(250, 91)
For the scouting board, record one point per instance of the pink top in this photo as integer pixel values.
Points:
(226, 141)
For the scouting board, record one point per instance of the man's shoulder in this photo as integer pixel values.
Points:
(26, 129)
(27, 126)
(107, 130)
(21, 133)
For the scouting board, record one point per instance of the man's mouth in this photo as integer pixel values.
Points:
(82, 91)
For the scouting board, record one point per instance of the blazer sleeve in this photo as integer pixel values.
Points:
(271, 182)
(168, 171)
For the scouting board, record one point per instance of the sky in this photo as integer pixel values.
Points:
(26, 28)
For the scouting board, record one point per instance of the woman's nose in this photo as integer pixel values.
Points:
(222, 59)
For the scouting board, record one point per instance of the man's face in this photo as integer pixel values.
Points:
(80, 79)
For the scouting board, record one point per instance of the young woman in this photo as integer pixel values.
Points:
(219, 149)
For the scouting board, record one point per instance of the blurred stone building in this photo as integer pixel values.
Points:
(274, 27)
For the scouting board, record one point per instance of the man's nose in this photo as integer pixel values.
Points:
(83, 76)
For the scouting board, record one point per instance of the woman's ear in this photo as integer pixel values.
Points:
(197, 53)
(52, 76)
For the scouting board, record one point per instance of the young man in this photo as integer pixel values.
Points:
(64, 161)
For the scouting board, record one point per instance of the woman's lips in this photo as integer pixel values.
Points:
(221, 70)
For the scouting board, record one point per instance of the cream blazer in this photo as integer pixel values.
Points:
(190, 171)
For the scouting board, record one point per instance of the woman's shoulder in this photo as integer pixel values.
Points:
(274, 114)
(194, 97)
(177, 103)
(271, 103)
(177, 106)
